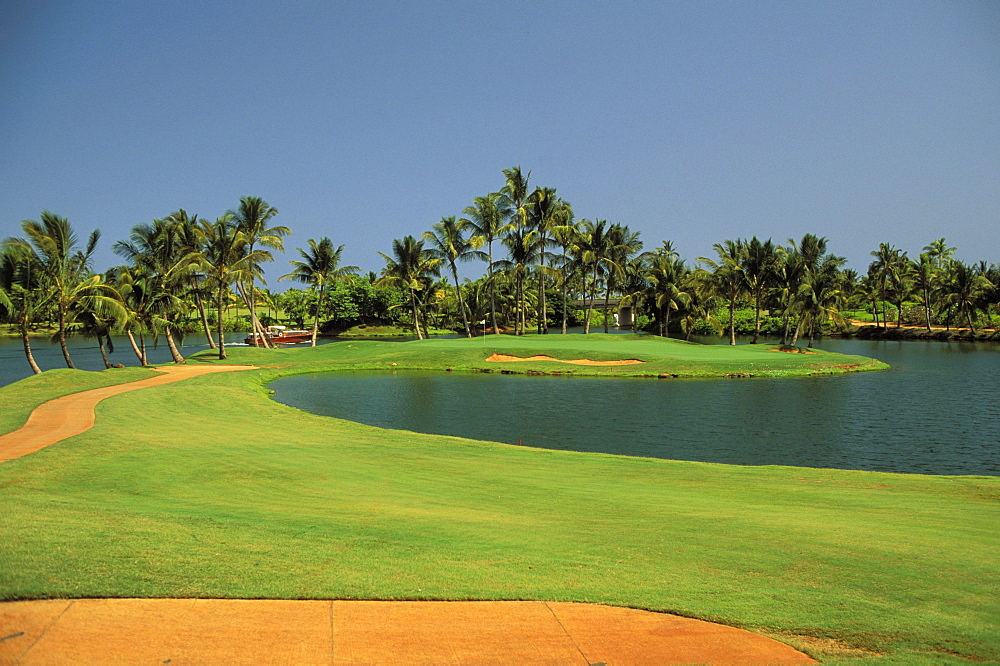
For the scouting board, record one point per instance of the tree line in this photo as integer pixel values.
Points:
(544, 269)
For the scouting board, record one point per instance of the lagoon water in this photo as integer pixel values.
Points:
(937, 411)
(86, 355)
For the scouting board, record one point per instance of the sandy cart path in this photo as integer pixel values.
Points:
(73, 414)
(215, 631)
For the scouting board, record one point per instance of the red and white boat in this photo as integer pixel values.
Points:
(279, 335)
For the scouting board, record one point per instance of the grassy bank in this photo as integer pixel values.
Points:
(207, 488)
(659, 356)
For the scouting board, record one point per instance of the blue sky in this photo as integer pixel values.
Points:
(367, 121)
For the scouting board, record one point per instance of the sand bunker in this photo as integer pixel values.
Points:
(504, 358)
(793, 350)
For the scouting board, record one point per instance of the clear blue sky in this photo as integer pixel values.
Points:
(367, 121)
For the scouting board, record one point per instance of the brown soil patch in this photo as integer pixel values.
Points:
(793, 350)
(73, 414)
(829, 646)
(370, 632)
(504, 358)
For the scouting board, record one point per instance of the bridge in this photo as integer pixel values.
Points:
(624, 317)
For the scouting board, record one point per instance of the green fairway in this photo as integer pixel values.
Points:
(208, 488)
(659, 356)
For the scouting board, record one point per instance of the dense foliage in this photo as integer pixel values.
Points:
(543, 269)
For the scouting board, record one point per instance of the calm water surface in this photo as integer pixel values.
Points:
(935, 412)
(86, 355)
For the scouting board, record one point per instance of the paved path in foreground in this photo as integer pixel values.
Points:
(212, 631)
(70, 415)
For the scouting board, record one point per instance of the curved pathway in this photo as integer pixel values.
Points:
(214, 631)
(70, 415)
(207, 631)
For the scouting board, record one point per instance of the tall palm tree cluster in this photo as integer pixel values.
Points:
(535, 251)
(175, 266)
(544, 269)
(932, 289)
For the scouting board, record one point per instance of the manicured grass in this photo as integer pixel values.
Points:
(660, 356)
(207, 488)
(19, 401)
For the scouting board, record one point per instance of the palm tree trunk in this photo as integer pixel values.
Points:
(493, 293)
(104, 353)
(543, 317)
(565, 317)
(204, 319)
(27, 349)
(174, 354)
(142, 347)
(798, 329)
(319, 305)
(522, 307)
(135, 347)
(220, 327)
(607, 302)
(259, 334)
(927, 310)
(732, 321)
(461, 301)
(62, 339)
(416, 319)
(756, 324)
(590, 303)
(666, 322)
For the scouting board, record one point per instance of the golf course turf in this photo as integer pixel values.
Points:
(208, 488)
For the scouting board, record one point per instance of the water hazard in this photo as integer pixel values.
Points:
(935, 412)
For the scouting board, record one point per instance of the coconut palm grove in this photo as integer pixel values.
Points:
(183, 275)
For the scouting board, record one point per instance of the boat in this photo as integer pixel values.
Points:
(279, 335)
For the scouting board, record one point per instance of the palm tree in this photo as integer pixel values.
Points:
(900, 286)
(159, 251)
(188, 230)
(487, 218)
(566, 235)
(542, 208)
(448, 243)
(700, 302)
(965, 290)
(870, 287)
(668, 277)
(757, 263)
(820, 296)
(320, 267)
(726, 278)
(939, 251)
(50, 243)
(137, 293)
(593, 247)
(252, 218)
(22, 294)
(623, 244)
(515, 193)
(924, 274)
(886, 262)
(521, 252)
(226, 260)
(410, 267)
